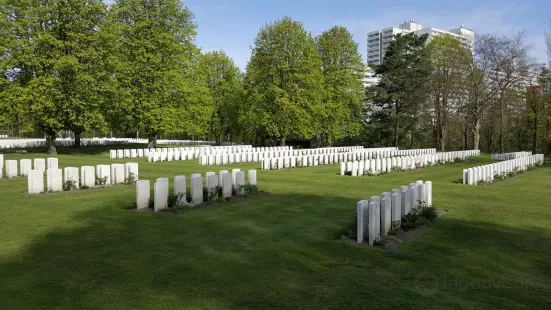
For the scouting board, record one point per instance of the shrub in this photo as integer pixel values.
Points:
(70, 185)
(178, 202)
(130, 179)
(396, 169)
(250, 190)
(101, 181)
(419, 216)
(348, 173)
(84, 187)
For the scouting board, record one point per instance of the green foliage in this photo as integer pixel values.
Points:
(101, 181)
(178, 202)
(250, 190)
(225, 83)
(130, 179)
(158, 69)
(343, 70)
(70, 185)
(419, 216)
(84, 187)
(284, 82)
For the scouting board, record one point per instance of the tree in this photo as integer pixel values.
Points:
(449, 63)
(226, 86)
(399, 95)
(344, 91)
(284, 81)
(158, 67)
(52, 72)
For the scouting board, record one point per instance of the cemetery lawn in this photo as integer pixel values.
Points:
(83, 250)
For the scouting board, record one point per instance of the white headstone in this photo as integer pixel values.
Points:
(142, 194)
(240, 182)
(161, 194)
(428, 189)
(40, 164)
(180, 185)
(196, 187)
(396, 207)
(252, 177)
(233, 174)
(362, 217)
(54, 180)
(103, 173)
(71, 175)
(25, 167)
(386, 215)
(226, 185)
(131, 172)
(35, 182)
(374, 221)
(87, 176)
(52, 163)
(117, 173)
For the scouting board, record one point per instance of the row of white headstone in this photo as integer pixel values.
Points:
(211, 157)
(24, 143)
(512, 155)
(385, 165)
(230, 182)
(164, 152)
(488, 172)
(104, 174)
(376, 216)
(222, 159)
(23, 167)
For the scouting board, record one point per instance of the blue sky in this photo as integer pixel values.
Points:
(232, 25)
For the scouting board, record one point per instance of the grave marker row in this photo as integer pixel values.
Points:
(487, 173)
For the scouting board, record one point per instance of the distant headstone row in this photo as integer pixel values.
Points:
(89, 176)
(23, 167)
(194, 151)
(230, 182)
(26, 143)
(376, 216)
(326, 159)
(513, 155)
(260, 154)
(390, 164)
(487, 173)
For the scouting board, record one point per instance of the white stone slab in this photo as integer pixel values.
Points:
(52, 163)
(406, 201)
(143, 194)
(54, 180)
(227, 185)
(71, 174)
(35, 181)
(131, 170)
(233, 174)
(374, 221)
(428, 189)
(362, 217)
(386, 215)
(103, 174)
(117, 173)
(396, 207)
(25, 167)
(87, 176)
(252, 177)
(240, 182)
(196, 187)
(161, 194)
(180, 185)
(40, 164)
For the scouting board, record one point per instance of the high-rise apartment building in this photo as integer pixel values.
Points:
(378, 41)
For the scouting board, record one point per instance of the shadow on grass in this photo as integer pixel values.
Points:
(275, 252)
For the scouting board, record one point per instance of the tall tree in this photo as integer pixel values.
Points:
(449, 63)
(158, 66)
(343, 73)
(225, 83)
(284, 81)
(400, 93)
(54, 68)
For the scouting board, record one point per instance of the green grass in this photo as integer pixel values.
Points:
(82, 250)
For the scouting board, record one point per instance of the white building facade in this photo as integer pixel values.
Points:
(379, 40)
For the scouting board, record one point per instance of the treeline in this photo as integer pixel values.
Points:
(440, 94)
(83, 66)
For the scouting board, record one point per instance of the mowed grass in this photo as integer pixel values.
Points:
(82, 250)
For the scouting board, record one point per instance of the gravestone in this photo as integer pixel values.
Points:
(412, 192)
(220, 173)
(35, 181)
(180, 185)
(103, 173)
(421, 192)
(362, 223)
(112, 154)
(131, 172)
(406, 198)
(252, 177)
(226, 185)
(196, 187)
(212, 183)
(117, 173)
(428, 188)
(374, 221)
(161, 194)
(40, 164)
(386, 215)
(52, 163)
(343, 168)
(120, 154)
(25, 167)
(233, 174)
(240, 182)
(54, 180)
(396, 207)
(70, 174)
(87, 176)
(142, 195)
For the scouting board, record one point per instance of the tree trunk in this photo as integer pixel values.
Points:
(442, 137)
(396, 126)
(152, 140)
(77, 138)
(50, 143)
(476, 134)
(282, 141)
(501, 112)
